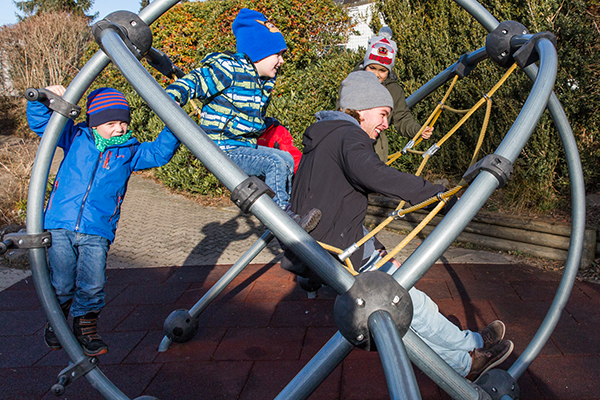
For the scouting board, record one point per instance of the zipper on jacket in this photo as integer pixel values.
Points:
(87, 192)
(52, 194)
(108, 154)
(116, 208)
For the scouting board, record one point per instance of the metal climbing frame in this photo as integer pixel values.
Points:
(385, 324)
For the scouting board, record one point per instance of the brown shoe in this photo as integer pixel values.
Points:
(484, 360)
(493, 334)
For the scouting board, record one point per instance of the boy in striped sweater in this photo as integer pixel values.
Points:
(235, 90)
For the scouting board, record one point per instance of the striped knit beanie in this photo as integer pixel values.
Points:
(381, 49)
(105, 105)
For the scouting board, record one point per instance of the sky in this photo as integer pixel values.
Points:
(103, 7)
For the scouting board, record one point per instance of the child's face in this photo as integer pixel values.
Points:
(111, 129)
(379, 70)
(267, 67)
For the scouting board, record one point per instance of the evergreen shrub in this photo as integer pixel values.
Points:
(433, 34)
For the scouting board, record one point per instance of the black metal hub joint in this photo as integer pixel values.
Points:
(498, 42)
(496, 165)
(22, 240)
(248, 191)
(498, 383)
(527, 54)
(134, 32)
(372, 291)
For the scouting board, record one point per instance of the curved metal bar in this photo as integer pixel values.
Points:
(278, 222)
(576, 241)
(472, 58)
(399, 374)
(317, 369)
(35, 201)
(225, 280)
(479, 12)
(483, 186)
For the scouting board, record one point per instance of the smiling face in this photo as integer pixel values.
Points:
(379, 70)
(268, 66)
(111, 129)
(374, 120)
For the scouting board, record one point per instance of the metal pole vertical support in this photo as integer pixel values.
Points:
(399, 374)
(317, 369)
(225, 280)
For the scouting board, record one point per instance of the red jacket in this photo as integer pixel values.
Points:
(278, 137)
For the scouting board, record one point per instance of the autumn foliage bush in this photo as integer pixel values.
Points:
(315, 65)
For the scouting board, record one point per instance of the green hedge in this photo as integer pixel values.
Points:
(433, 34)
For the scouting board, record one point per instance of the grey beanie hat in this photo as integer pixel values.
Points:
(381, 49)
(361, 90)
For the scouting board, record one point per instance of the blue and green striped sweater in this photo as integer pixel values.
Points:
(234, 98)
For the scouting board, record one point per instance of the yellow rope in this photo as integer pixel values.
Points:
(410, 236)
(433, 117)
(444, 196)
(348, 263)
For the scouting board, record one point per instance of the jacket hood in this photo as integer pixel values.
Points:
(327, 122)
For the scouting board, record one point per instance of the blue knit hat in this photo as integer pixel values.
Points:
(256, 36)
(105, 105)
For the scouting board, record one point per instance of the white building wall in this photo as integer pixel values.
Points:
(361, 15)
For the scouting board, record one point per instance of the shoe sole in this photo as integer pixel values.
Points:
(498, 361)
(95, 353)
(312, 222)
(53, 347)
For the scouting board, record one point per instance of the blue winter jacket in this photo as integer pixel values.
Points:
(90, 185)
(234, 99)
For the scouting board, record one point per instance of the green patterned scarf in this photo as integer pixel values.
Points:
(102, 144)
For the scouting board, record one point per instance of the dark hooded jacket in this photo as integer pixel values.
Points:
(338, 170)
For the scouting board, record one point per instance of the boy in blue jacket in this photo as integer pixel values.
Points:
(85, 203)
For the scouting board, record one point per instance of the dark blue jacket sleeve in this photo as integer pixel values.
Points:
(156, 153)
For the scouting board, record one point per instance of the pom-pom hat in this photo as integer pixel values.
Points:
(381, 49)
(256, 36)
(105, 105)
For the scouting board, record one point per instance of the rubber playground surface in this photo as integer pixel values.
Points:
(263, 329)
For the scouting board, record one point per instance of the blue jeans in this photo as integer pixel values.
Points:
(275, 166)
(77, 269)
(450, 342)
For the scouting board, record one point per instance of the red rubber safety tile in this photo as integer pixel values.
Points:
(208, 380)
(261, 344)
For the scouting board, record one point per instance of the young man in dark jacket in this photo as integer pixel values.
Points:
(339, 168)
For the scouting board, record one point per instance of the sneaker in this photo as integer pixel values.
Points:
(493, 334)
(309, 221)
(86, 331)
(50, 338)
(484, 360)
